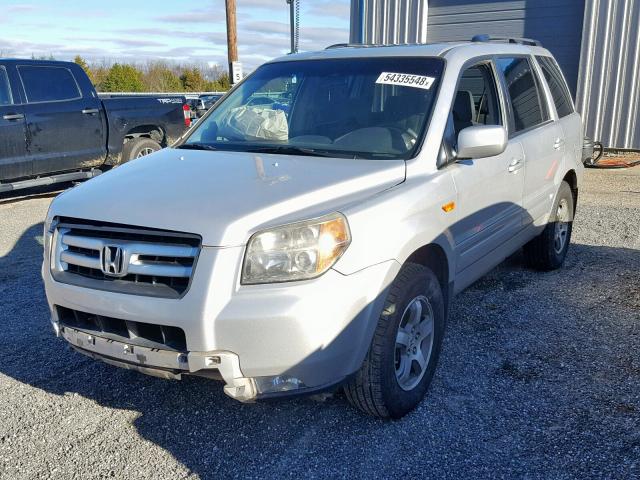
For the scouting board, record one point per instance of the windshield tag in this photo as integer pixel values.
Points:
(406, 80)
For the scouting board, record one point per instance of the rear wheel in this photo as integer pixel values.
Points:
(402, 358)
(139, 147)
(548, 250)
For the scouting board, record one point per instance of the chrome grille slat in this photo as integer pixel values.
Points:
(83, 242)
(79, 259)
(153, 263)
(149, 249)
(159, 270)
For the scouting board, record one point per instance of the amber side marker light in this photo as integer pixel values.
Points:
(448, 207)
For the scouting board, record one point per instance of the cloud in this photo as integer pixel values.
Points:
(277, 34)
(21, 49)
(18, 8)
(9, 13)
(122, 42)
(219, 37)
(267, 27)
(264, 4)
(204, 15)
(331, 9)
(212, 15)
(131, 42)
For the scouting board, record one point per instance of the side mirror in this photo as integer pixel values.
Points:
(481, 141)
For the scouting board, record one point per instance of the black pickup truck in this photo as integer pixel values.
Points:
(55, 128)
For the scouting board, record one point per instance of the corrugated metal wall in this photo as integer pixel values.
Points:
(388, 21)
(609, 80)
(556, 23)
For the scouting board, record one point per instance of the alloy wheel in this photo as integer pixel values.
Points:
(144, 152)
(414, 343)
(561, 226)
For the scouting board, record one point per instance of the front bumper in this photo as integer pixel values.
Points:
(162, 363)
(262, 340)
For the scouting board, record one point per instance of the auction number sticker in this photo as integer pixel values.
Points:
(406, 80)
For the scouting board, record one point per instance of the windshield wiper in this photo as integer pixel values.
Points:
(196, 146)
(291, 150)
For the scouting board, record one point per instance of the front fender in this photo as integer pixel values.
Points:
(395, 223)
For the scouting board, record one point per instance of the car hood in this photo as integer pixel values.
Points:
(225, 196)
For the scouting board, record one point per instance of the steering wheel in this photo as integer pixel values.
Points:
(408, 137)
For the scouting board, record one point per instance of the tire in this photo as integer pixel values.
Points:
(382, 387)
(139, 147)
(549, 249)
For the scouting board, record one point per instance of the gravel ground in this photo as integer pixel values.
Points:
(539, 378)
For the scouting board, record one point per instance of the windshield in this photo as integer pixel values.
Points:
(373, 108)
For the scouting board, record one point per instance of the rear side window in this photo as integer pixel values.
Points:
(524, 93)
(5, 89)
(557, 85)
(48, 84)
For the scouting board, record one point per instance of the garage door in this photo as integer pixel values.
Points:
(556, 23)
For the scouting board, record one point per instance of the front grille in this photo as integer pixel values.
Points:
(134, 333)
(124, 259)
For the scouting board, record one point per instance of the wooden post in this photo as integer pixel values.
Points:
(232, 37)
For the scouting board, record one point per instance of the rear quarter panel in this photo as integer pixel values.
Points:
(127, 113)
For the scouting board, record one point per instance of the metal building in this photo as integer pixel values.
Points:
(596, 42)
(386, 22)
(609, 77)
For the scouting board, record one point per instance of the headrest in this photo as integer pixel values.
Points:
(463, 108)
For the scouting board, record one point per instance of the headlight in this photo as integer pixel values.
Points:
(298, 251)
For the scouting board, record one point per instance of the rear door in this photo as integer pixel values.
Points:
(13, 144)
(65, 131)
(569, 120)
(541, 137)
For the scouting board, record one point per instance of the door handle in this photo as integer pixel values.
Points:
(558, 144)
(13, 116)
(90, 111)
(515, 165)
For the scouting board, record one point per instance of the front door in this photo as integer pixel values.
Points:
(65, 131)
(13, 158)
(489, 189)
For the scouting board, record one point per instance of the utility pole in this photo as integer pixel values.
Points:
(235, 68)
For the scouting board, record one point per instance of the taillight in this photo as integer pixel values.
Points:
(187, 115)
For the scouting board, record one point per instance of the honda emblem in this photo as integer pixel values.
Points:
(112, 261)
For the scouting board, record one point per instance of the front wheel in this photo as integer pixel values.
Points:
(548, 250)
(402, 358)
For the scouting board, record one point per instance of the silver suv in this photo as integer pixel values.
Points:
(312, 230)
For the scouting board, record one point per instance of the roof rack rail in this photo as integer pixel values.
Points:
(519, 41)
(367, 45)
